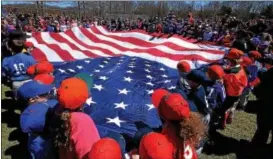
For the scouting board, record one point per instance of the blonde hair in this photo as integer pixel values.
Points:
(192, 129)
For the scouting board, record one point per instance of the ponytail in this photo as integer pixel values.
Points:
(62, 132)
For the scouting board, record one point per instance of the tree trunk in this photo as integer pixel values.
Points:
(110, 7)
(79, 10)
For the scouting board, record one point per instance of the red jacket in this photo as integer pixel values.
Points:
(235, 83)
(183, 150)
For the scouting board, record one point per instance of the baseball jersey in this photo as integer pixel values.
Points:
(15, 66)
(216, 95)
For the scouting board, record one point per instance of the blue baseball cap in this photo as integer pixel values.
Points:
(33, 118)
(32, 89)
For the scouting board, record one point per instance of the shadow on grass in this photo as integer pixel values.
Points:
(223, 145)
(252, 107)
(9, 116)
(20, 150)
(12, 119)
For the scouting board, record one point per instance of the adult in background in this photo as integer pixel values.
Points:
(265, 110)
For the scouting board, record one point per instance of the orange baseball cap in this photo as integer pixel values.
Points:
(171, 106)
(234, 54)
(216, 72)
(44, 78)
(72, 93)
(105, 148)
(183, 66)
(154, 146)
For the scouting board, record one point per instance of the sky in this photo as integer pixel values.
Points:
(62, 4)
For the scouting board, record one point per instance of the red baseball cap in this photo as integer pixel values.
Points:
(183, 66)
(234, 54)
(31, 70)
(171, 106)
(246, 61)
(72, 93)
(44, 67)
(255, 54)
(105, 148)
(216, 72)
(155, 146)
(44, 78)
(157, 96)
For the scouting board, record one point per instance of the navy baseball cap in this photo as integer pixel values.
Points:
(33, 118)
(33, 88)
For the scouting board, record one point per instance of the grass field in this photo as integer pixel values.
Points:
(231, 142)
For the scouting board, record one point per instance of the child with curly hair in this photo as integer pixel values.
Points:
(183, 129)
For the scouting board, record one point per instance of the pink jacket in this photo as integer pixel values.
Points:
(83, 135)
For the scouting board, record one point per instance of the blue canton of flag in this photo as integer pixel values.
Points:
(121, 94)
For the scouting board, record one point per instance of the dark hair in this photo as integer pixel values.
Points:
(63, 130)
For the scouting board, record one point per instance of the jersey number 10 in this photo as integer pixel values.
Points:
(20, 68)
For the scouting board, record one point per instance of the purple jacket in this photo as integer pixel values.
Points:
(216, 95)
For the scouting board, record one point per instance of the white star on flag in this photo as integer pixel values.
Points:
(149, 76)
(115, 120)
(91, 74)
(62, 71)
(71, 70)
(147, 70)
(172, 87)
(147, 61)
(150, 106)
(118, 63)
(79, 67)
(86, 61)
(150, 83)
(123, 91)
(120, 105)
(101, 66)
(167, 81)
(122, 57)
(148, 65)
(129, 71)
(89, 101)
(127, 79)
(165, 76)
(98, 87)
(150, 91)
(103, 78)
(132, 66)
(105, 61)
(108, 58)
(96, 70)
(162, 69)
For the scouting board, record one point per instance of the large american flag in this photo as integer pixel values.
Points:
(126, 67)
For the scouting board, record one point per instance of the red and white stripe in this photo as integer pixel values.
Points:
(81, 43)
